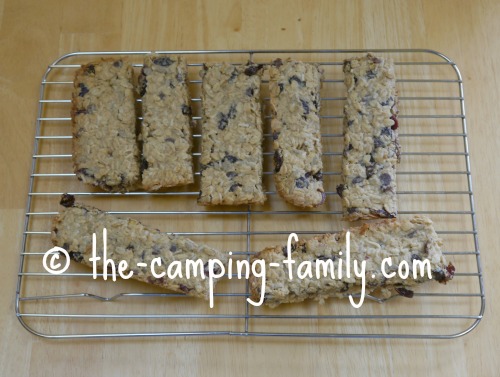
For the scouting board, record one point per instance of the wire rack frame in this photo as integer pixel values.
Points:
(331, 58)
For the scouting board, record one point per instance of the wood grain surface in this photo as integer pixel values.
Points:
(34, 33)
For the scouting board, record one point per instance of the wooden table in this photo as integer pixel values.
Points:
(34, 33)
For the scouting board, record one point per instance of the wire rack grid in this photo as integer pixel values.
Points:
(434, 179)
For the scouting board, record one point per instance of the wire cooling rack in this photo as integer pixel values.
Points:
(434, 179)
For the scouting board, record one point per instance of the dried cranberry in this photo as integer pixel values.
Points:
(395, 125)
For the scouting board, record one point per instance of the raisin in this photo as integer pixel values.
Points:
(350, 122)
(216, 269)
(164, 61)
(415, 257)
(76, 256)
(230, 158)
(357, 180)
(371, 74)
(186, 110)
(144, 164)
(249, 92)
(232, 112)
(386, 131)
(301, 182)
(278, 63)
(180, 77)
(318, 176)
(161, 95)
(234, 187)
(395, 125)
(85, 172)
(305, 106)
(173, 248)
(90, 69)
(386, 180)
(169, 140)
(183, 288)
(278, 161)
(83, 90)
(143, 83)
(405, 292)
(411, 234)
(382, 213)
(276, 134)
(223, 121)
(386, 103)
(81, 111)
(297, 80)
(281, 86)
(378, 143)
(118, 63)
(324, 257)
(253, 69)
(351, 210)
(370, 170)
(231, 174)
(340, 189)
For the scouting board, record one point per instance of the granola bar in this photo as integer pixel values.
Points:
(401, 240)
(105, 149)
(371, 147)
(131, 241)
(166, 131)
(295, 101)
(231, 146)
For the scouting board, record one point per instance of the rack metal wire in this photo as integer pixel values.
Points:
(434, 179)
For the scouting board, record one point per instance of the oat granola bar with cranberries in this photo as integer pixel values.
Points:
(400, 240)
(295, 102)
(371, 146)
(133, 242)
(231, 145)
(105, 149)
(166, 125)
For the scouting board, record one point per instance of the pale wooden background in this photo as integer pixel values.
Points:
(34, 33)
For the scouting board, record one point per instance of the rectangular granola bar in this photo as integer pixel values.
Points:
(401, 240)
(231, 146)
(166, 128)
(105, 149)
(371, 147)
(129, 240)
(295, 101)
